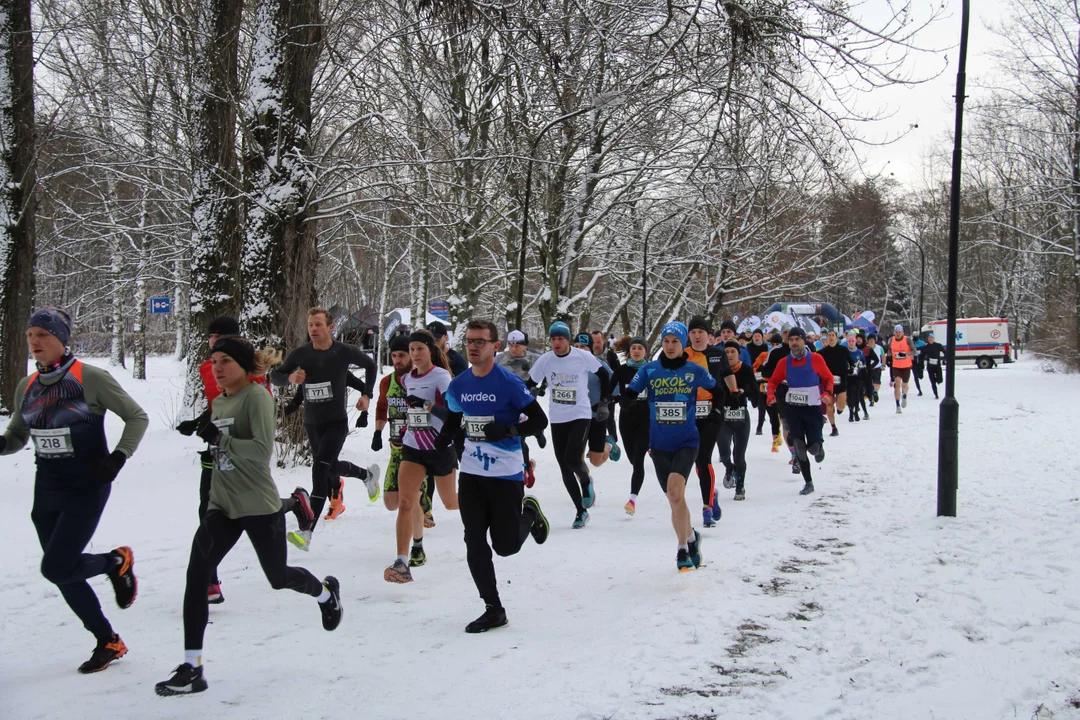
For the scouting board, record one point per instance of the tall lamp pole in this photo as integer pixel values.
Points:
(602, 100)
(949, 422)
(922, 262)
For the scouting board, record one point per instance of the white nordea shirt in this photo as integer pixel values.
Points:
(568, 383)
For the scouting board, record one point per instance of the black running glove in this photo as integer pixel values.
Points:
(361, 422)
(210, 433)
(295, 403)
(376, 441)
(494, 432)
(602, 411)
(541, 440)
(415, 402)
(188, 427)
(109, 466)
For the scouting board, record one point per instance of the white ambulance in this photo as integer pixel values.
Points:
(984, 340)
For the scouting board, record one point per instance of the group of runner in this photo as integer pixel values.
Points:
(440, 415)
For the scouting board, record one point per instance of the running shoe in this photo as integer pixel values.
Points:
(105, 652)
(899, 411)
(185, 681)
(776, 443)
(865, 415)
(213, 594)
(740, 493)
(588, 498)
(807, 489)
(758, 431)
(903, 401)
(302, 509)
(125, 586)
(417, 556)
(581, 520)
(729, 480)
(372, 482)
(630, 507)
(337, 507)
(493, 617)
(819, 454)
(683, 561)
(398, 573)
(540, 526)
(300, 538)
(429, 520)
(331, 609)
(716, 511)
(530, 474)
(795, 468)
(835, 432)
(707, 519)
(615, 452)
(695, 550)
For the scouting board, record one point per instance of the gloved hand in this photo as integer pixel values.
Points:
(109, 466)
(535, 389)
(362, 420)
(495, 432)
(601, 411)
(415, 402)
(715, 416)
(294, 404)
(541, 440)
(733, 400)
(188, 427)
(376, 441)
(443, 441)
(210, 433)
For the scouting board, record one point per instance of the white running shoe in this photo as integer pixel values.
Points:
(372, 482)
(300, 538)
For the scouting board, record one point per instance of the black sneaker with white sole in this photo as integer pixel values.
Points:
(186, 680)
(540, 526)
(493, 617)
(331, 609)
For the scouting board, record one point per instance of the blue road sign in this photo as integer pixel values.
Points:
(160, 305)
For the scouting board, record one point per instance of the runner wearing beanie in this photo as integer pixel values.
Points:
(61, 406)
(518, 359)
(715, 361)
(566, 371)
(900, 356)
(775, 343)
(634, 418)
(601, 444)
(810, 387)
(727, 334)
(933, 354)
(735, 429)
(671, 383)
(839, 361)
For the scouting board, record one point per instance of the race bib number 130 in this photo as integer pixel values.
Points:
(474, 426)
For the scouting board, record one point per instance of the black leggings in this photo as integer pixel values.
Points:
(491, 504)
(737, 431)
(326, 441)
(206, 461)
(634, 426)
(569, 440)
(774, 416)
(214, 539)
(65, 521)
(707, 432)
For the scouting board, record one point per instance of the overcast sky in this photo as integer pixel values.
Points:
(930, 105)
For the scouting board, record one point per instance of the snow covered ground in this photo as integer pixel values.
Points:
(855, 602)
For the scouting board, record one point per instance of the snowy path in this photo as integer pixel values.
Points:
(856, 602)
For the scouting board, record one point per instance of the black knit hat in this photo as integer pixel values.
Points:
(728, 325)
(399, 343)
(238, 349)
(223, 325)
(797, 332)
(699, 322)
(424, 337)
(637, 340)
(732, 344)
(776, 339)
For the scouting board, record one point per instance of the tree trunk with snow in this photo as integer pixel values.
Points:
(280, 254)
(138, 331)
(18, 201)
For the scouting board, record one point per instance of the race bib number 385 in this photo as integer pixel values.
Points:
(671, 413)
(53, 443)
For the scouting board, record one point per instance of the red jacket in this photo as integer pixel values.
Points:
(211, 389)
(816, 362)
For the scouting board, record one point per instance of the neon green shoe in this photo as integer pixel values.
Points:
(300, 538)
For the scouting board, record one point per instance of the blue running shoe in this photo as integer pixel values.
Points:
(589, 496)
(581, 520)
(683, 561)
(707, 518)
(695, 550)
(716, 511)
(616, 452)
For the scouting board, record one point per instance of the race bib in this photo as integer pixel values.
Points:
(671, 413)
(221, 458)
(933, 361)
(757, 376)
(901, 356)
(418, 419)
(397, 429)
(734, 413)
(474, 426)
(564, 396)
(318, 392)
(702, 409)
(798, 398)
(50, 444)
(836, 379)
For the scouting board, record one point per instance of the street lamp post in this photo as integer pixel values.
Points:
(922, 262)
(603, 100)
(949, 422)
